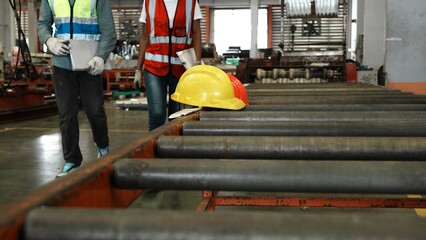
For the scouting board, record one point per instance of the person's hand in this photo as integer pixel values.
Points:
(96, 66)
(57, 46)
(138, 79)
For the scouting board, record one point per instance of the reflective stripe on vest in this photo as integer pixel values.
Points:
(162, 58)
(157, 56)
(84, 22)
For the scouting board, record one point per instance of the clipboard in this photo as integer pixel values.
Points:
(81, 52)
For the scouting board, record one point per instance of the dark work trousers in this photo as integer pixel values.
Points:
(70, 87)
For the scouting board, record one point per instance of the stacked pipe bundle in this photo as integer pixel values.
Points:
(292, 75)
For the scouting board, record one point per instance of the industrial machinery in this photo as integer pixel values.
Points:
(313, 44)
(349, 157)
(24, 86)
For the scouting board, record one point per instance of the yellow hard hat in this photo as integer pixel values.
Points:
(207, 86)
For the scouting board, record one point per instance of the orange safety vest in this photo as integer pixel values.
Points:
(164, 42)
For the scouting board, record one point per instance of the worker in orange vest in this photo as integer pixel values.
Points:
(168, 26)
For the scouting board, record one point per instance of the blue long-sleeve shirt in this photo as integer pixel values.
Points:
(106, 27)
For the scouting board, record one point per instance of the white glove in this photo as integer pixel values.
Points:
(57, 46)
(96, 66)
(138, 78)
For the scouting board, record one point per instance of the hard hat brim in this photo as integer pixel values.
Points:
(231, 103)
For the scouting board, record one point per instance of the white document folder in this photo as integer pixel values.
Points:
(187, 57)
(81, 52)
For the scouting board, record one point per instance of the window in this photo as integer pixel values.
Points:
(232, 27)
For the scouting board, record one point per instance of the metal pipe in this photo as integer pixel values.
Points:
(313, 90)
(338, 98)
(337, 107)
(312, 85)
(379, 177)
(271, 147)
(325, 128)
(136, 224)
(311, 116)
(335, 100)
(330, 93)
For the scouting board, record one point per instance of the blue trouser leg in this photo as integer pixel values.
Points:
(156, 92)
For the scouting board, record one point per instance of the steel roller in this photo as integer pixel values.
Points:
(321, 176)
(331, 90)
(313, 86)
(330, 93)
(333, 100)
(136, 224)
(284, 88)
(311, 116)
(324, 128)
(339, 97)
(337, 107)
(273, 147)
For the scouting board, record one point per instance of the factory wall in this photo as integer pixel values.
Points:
(374, 33)
(405, 45)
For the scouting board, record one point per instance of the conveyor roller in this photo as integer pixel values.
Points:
(272, 175)
(311, 116)
(337, 107)
(305, 128)
(337, 94)
(272, 147)
(102, 224)
(315, 86)
(332, 100)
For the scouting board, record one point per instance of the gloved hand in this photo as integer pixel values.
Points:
(57, 46)
(138, 79)
(96, 66)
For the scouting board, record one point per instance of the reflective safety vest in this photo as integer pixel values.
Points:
(77, 21)
(164, 42)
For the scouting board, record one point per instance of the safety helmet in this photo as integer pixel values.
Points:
(206, 86)
(239, 89)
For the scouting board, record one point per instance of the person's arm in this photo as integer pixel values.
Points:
(196, 32)
(196, 39)
(45, 22)
(143, 44)
(107, 29)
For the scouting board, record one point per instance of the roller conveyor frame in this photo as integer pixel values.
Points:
(91, 187)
